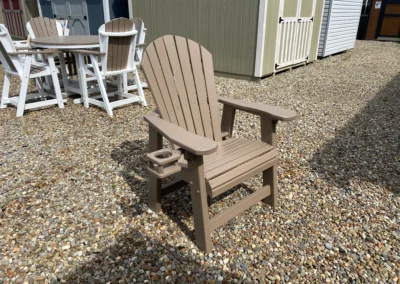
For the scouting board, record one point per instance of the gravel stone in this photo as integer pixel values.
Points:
(76, 178)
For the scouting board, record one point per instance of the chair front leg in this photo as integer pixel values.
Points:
(155, 143)
(56, 83)
(24, 86)
(102, 84)
(6, 91)
(270, 176)
(199, 202)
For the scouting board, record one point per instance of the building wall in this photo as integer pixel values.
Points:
(271, 32)
(339, 26)
(228, 29)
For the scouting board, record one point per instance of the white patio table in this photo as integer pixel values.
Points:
(70, 43)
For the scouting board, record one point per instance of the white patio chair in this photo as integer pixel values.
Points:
(129, 85)
(115, 58)
(19, 63)
(45, 27)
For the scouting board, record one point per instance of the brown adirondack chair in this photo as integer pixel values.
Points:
(181, 78)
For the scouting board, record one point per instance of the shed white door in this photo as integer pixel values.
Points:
(295, 26)
(75, 11)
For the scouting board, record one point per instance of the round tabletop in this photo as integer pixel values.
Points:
(67, 42)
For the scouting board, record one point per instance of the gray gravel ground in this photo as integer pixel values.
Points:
(74, 188)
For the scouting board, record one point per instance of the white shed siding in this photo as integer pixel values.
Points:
(339, 26)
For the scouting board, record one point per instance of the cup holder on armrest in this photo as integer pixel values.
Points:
(164, 162)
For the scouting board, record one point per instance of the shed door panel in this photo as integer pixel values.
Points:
(389, 19)
(79, 19)
(290, 8)
(307, 7)
(60, 9)
(95, 15)
(294, 32)
(13, 18)
(75, 11)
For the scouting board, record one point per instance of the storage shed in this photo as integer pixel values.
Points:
(339, 26)
(250, 38)
(15, 14)
(84, 16)
(383, 20)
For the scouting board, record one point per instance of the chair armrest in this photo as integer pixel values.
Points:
(88, 52)
(48, 51)
(23, 47)
(193, 143)
(17, 42)
(273, 112)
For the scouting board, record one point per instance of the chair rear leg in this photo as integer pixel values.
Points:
(199, 203)
(6, 91)
(270, 177)
(125, 82)
(82, 80)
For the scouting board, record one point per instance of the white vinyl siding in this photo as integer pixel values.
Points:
(339, 26)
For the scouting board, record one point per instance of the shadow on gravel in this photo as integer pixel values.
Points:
(131, 155)
(135, 258)
(368, 147)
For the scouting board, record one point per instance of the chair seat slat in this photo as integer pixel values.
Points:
(247, 152)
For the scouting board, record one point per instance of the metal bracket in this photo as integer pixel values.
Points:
(281, 20)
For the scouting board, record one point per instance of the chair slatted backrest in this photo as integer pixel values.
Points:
(118, 40)
(43, 27)
(180, 75)
(139, 26)
(10, 63)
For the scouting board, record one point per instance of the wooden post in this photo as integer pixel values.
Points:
(155, 143)
(270, 176)
(199, 202)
